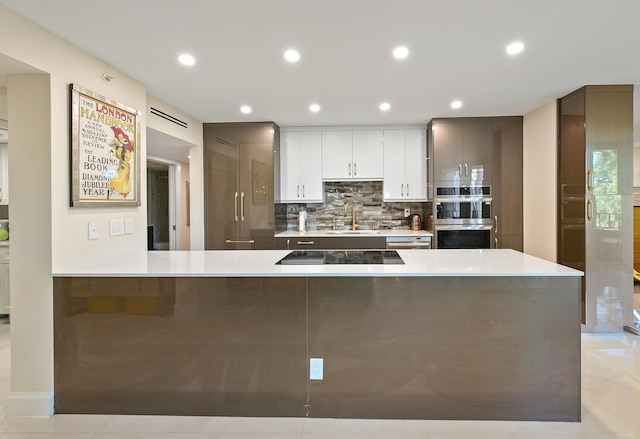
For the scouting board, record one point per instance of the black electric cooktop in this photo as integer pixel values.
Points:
(332, 257)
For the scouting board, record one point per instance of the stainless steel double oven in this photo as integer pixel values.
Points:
(463, 216)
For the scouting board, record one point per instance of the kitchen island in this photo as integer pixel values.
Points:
(447, 334)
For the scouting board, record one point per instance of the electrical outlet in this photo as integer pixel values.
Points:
(407, 212)
(316, 368)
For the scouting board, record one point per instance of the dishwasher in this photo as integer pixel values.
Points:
(408, 242)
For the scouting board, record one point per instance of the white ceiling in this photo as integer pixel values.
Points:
(457, 51)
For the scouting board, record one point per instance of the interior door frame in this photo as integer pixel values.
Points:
(175, 200)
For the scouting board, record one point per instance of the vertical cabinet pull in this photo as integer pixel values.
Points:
(402, 190)
(589, 210)
(466, 170)
(302, 191)
(355, 172)
(590, 179)
(298, 191)
(495, 242)
(235, 206)
(460, 169)
(495, 219)
(242, 206)
(407, 189)
(349, 169)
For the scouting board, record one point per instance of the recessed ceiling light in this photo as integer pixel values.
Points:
(186, 59)
(245, 109)
(515, 48)
(292, 55)
(401, 52)
(456, 104)
(385, 106)
(314, 107)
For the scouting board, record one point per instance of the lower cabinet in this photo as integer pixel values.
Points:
(331, 243)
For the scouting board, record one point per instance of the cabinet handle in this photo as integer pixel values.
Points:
(466, 170)
(239, 241)
(242, 206)
(288, 248)
(298, 191)
(402, 190)
(460, 169)
(349, 169)
(407, 189)
(235, 207)
(495, 242)
(305, 242)
(495, 219)
(589, 210)
(590, 179)
(302, 191)
(355, 172)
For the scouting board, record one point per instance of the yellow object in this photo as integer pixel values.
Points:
(4, 234)
(143, 305)
(636, 275)
(104, 305)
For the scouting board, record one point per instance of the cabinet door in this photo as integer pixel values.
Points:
(394, 176)
(507, 183)
(477, 150)
(290, 159)
(336, 155)
(311, 166)
(415, 165)
(447, 144)
(368, 153)
(257, 216)
(221, 189)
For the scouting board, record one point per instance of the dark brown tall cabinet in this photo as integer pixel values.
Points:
(487, 151)
(239, 160)
(595, 199)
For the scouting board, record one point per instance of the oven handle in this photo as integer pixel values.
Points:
(465, 227)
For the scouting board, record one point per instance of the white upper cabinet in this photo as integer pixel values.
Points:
(352, 155)
(300, 164)
(405, 165)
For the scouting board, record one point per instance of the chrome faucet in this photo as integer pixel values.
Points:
(353, 214)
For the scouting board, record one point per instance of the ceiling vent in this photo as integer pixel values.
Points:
(169, 117)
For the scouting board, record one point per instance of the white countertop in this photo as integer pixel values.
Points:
(343, 233)
(262, 263)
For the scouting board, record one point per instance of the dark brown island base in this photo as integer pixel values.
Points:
(180, 334)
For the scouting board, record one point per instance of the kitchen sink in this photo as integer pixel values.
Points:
(352, 232)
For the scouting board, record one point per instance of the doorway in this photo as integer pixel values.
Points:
(162, 199)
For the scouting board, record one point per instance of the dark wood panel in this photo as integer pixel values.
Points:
(224, 347)
(446, 348)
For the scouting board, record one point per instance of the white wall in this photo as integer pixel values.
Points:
(46, 234)
(540, 181)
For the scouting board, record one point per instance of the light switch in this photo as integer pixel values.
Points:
(128, 226)
(116, 227)
(93, 231)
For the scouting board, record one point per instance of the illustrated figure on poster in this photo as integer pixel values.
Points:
(123, 150)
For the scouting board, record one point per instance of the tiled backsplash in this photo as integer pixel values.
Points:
(371, 211)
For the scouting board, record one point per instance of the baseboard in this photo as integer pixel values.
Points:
(601, 328)
(29, 404)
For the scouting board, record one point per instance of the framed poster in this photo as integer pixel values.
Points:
(105, 158)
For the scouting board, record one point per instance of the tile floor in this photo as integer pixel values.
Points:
(610, 409)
